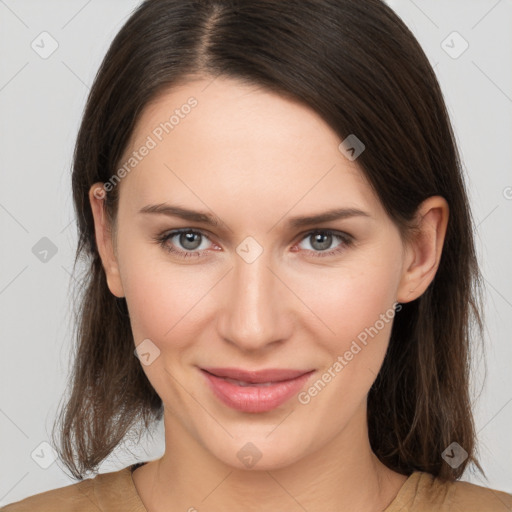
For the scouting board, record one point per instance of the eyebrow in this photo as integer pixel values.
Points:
(212, 220)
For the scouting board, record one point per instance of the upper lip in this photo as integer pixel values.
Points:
(259, 376)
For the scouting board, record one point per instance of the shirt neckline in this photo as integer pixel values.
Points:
(399, 501)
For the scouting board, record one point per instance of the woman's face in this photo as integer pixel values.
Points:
(254, 288)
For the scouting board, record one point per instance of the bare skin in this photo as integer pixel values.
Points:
(255, 160)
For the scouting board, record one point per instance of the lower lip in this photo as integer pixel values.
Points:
(255, 398)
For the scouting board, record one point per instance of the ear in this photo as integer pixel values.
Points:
(104, 239)
(423, 250)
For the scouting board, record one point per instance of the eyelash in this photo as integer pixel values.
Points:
(164, 238)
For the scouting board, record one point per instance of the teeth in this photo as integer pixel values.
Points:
(246, 384)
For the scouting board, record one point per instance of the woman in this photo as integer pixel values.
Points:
(282, 267)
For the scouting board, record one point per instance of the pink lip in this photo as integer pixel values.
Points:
(268, 375)
(257, 398)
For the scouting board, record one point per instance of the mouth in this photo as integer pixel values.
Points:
(255, 391)
(269, 375)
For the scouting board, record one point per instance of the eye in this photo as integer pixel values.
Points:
(191, 241)
(322, 240)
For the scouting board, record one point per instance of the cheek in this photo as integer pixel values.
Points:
(361, 319)
(163, 305)
(163, 299)
(351, 298)
(356, 309)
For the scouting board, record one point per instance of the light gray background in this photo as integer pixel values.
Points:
(41, 101)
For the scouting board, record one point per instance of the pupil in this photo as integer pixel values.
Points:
(327, 240)
(189, 239)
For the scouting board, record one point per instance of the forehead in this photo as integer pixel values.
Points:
(224, 137)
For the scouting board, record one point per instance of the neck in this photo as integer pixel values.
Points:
(343, 475)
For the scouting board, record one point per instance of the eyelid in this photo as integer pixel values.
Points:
(346, 239)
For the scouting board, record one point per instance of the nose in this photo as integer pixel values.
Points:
(253, 313)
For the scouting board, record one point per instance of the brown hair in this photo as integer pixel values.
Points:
(361, 69)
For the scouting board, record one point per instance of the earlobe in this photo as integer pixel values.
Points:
(104, 242)
(424, 249)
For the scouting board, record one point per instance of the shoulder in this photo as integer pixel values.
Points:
(423, 492)
(90, 495)
(475, 497)
(75, 498)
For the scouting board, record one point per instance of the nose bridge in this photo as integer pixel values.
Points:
(252, 315)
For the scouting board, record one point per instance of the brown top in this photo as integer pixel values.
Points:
(116, 492)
